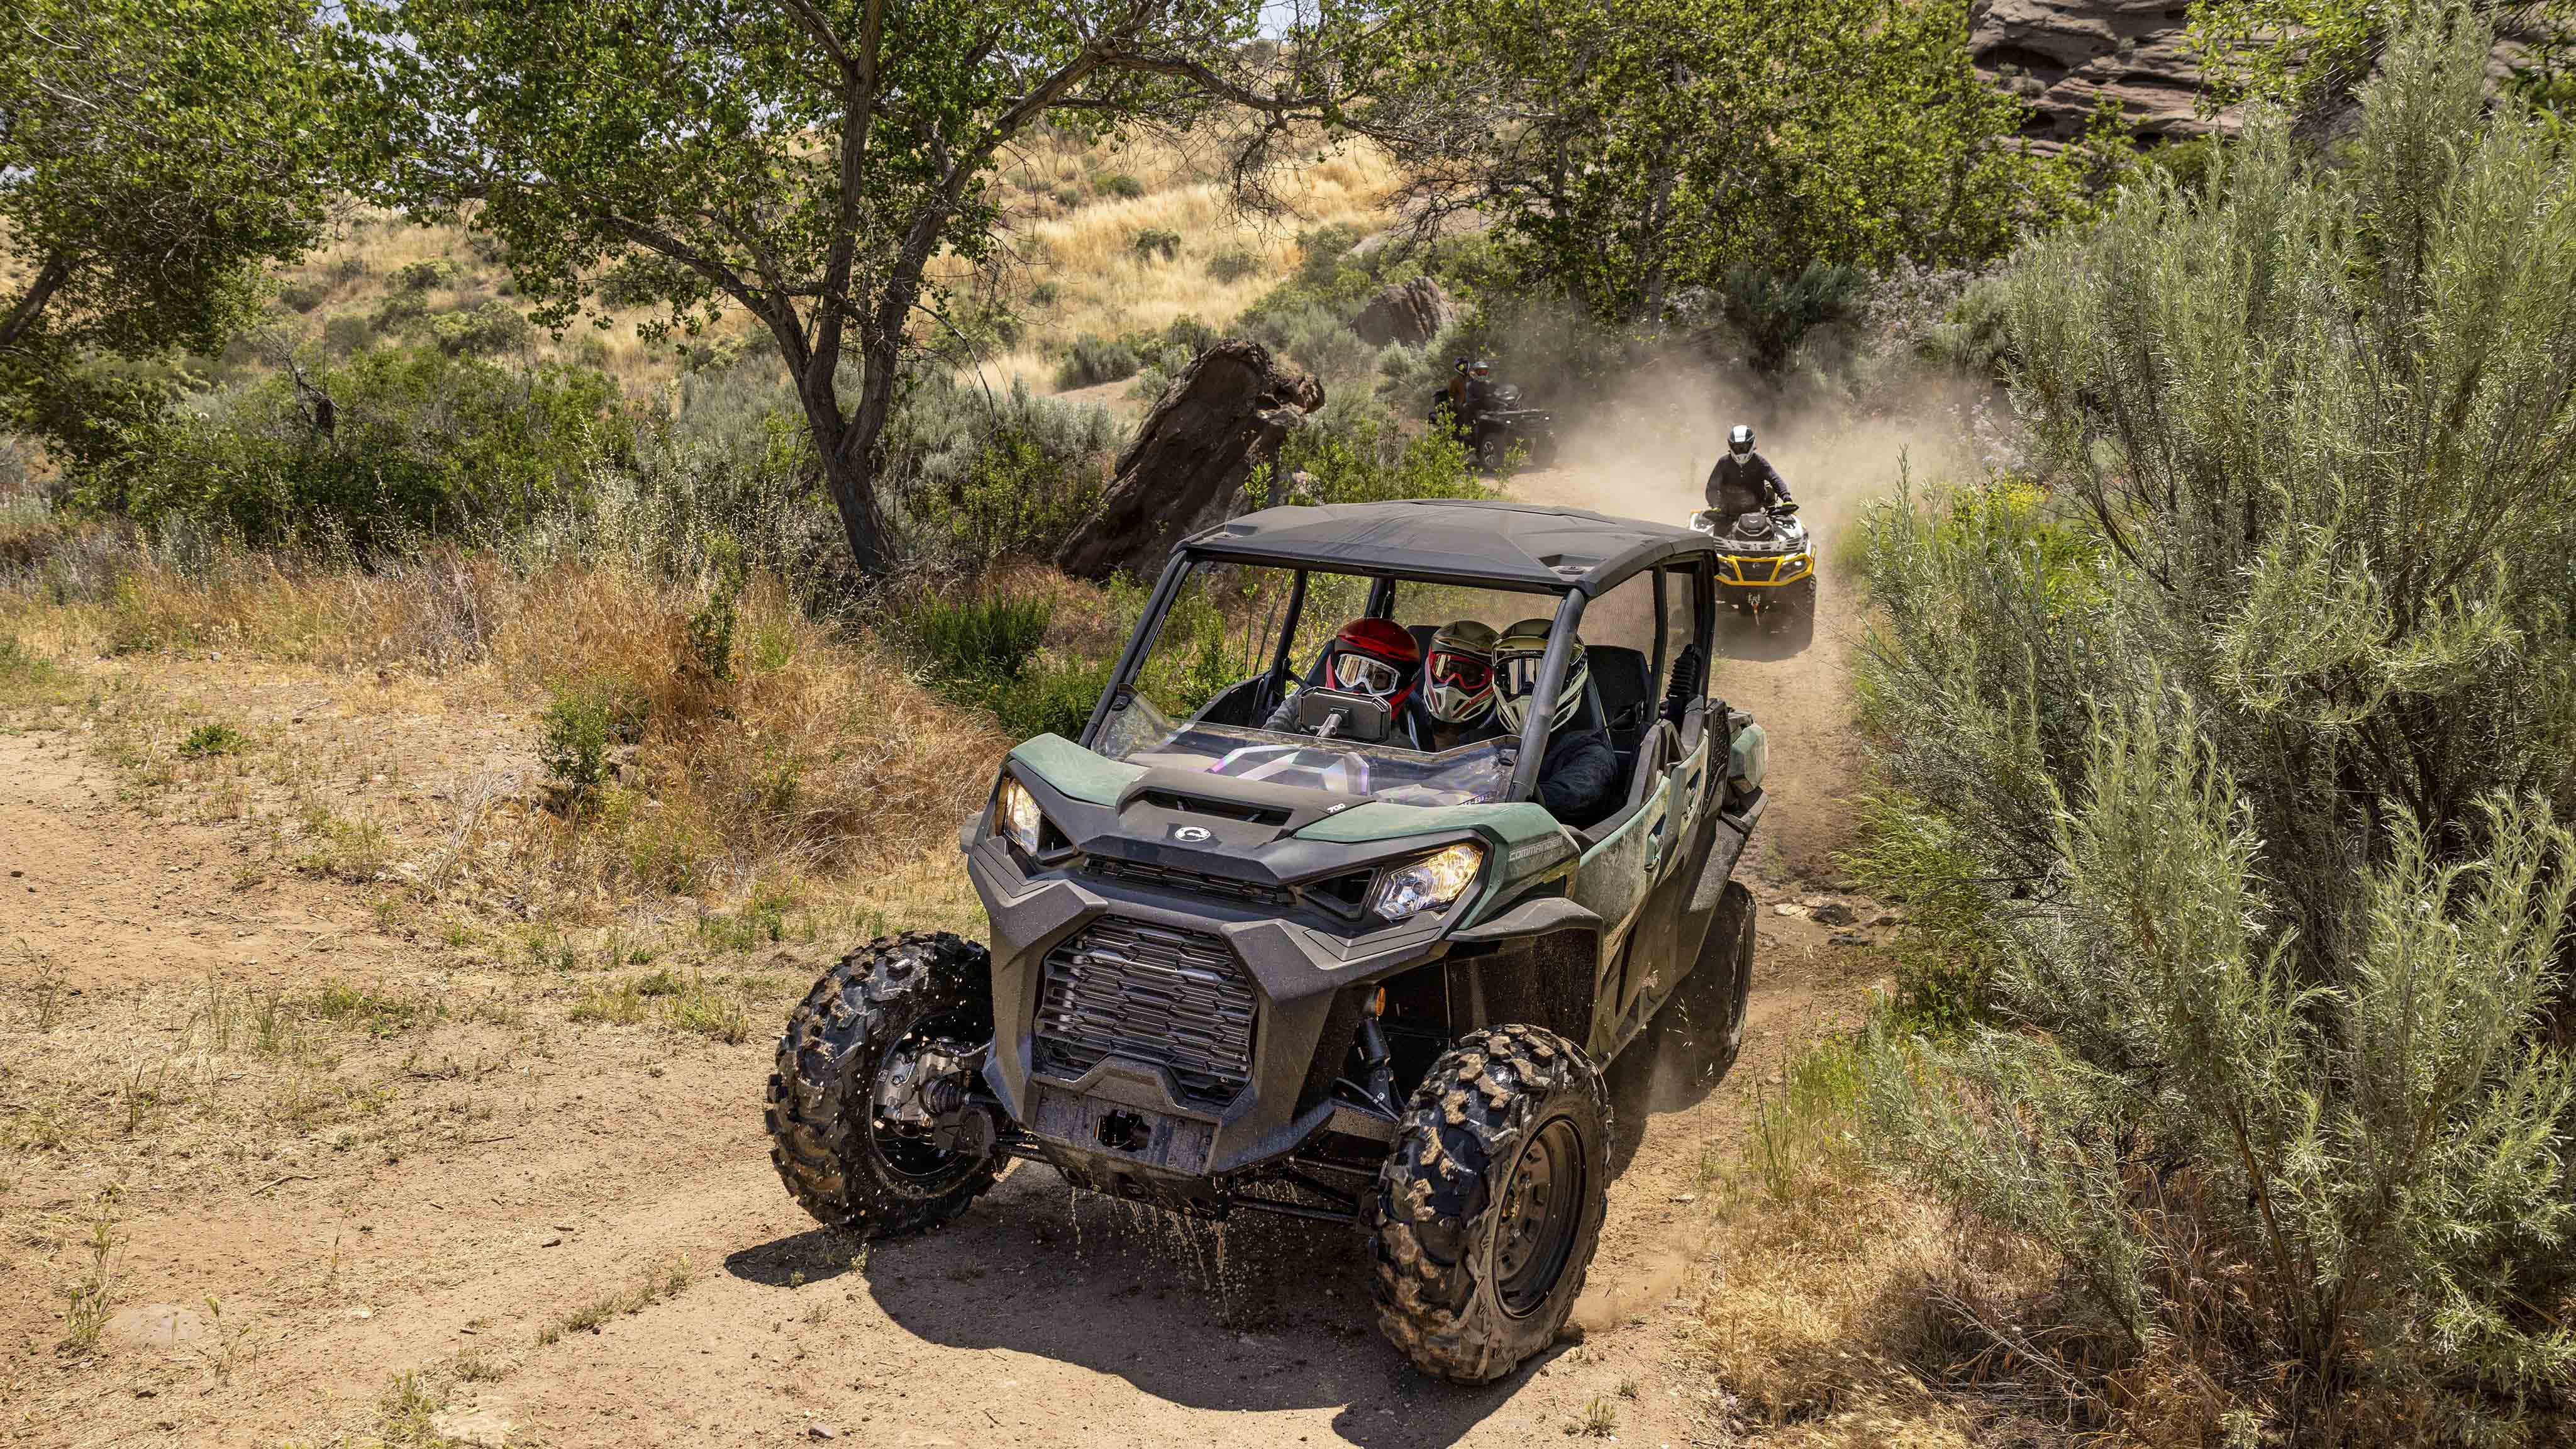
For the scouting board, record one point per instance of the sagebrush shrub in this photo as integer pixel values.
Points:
(1233, 264)
(2228, 750)
(1093, 360)
(979, 475)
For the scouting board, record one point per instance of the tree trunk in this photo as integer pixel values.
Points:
(846, 448)
(39, 291)
(1186, 469)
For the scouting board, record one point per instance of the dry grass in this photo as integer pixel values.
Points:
(815, 756)
(802, 761)
(1851, 1311)
(1066, 218)
(659, 1284)
(1080, 272)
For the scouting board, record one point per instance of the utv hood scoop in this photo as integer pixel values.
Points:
(1201, 812)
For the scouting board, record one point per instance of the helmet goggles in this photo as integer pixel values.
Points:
(1362, 674)
(1469, 672)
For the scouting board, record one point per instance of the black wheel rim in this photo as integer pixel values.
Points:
(910, 1152)
(1541, 1207)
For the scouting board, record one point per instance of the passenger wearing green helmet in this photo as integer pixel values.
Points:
(1579, 771)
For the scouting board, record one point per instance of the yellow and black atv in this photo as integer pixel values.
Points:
(1766, 571)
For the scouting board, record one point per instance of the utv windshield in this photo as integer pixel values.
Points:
(1215, 688)
(1466, 775)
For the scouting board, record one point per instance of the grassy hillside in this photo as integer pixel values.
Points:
(1074, 267)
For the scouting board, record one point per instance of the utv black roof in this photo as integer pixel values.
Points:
(1450, 540)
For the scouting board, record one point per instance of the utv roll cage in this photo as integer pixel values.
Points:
(1570, 554)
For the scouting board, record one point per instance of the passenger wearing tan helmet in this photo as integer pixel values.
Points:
(1458, 685)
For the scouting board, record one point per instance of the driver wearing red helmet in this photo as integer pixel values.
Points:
(1377, 658)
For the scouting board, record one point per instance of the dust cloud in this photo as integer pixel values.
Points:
(1646, 451)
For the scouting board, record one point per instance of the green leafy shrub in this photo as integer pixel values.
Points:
(303, 296)
(1044, 294)
(347, 332)
(979, 475)
(399, 311)
(412, 441)
(581, 724)
(711, 623)
(1049, 699)
(207, 741)
(1118, 184)
(483, 330)
(979, 637)
(1775, 310)
(983, 652)
(427, 274)
(1351, 455)
(1153, 243)
(1094, 360)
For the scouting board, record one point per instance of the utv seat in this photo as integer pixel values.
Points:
(1627, 685)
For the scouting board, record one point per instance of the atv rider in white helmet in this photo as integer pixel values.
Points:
(1744, 481)
(1580, 769)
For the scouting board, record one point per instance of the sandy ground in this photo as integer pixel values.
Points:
(516, 1167)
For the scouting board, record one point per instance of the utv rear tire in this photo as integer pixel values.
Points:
(1489, 1209)
(837, 1161)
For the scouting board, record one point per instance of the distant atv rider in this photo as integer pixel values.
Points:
(1743, 480)
(1471, 389)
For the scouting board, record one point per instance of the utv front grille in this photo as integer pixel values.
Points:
(1170, 998)
(1187, 882)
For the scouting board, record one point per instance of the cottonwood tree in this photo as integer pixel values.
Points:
(152, 155)
(803, 160)
(1629, 150)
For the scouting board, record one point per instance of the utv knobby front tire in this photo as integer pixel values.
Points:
(838, 1161)
(1489, 1209)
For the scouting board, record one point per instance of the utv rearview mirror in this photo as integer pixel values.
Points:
(1335, 714)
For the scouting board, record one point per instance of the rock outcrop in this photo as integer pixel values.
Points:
(1185, 471)
(1409, 312)
(2065, 56)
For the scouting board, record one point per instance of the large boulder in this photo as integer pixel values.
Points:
(2064, 56)
(1408, 312)
(1185, 471)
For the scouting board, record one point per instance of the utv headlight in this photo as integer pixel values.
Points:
(1426, 884)
(1015, 814)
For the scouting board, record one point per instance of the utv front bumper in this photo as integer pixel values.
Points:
(1173, 1029)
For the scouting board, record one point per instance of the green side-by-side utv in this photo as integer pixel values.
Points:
(1322, 970)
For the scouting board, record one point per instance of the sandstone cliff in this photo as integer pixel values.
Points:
(2064, 56)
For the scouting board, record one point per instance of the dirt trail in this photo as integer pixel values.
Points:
(574, 1169)
(523, 1168)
